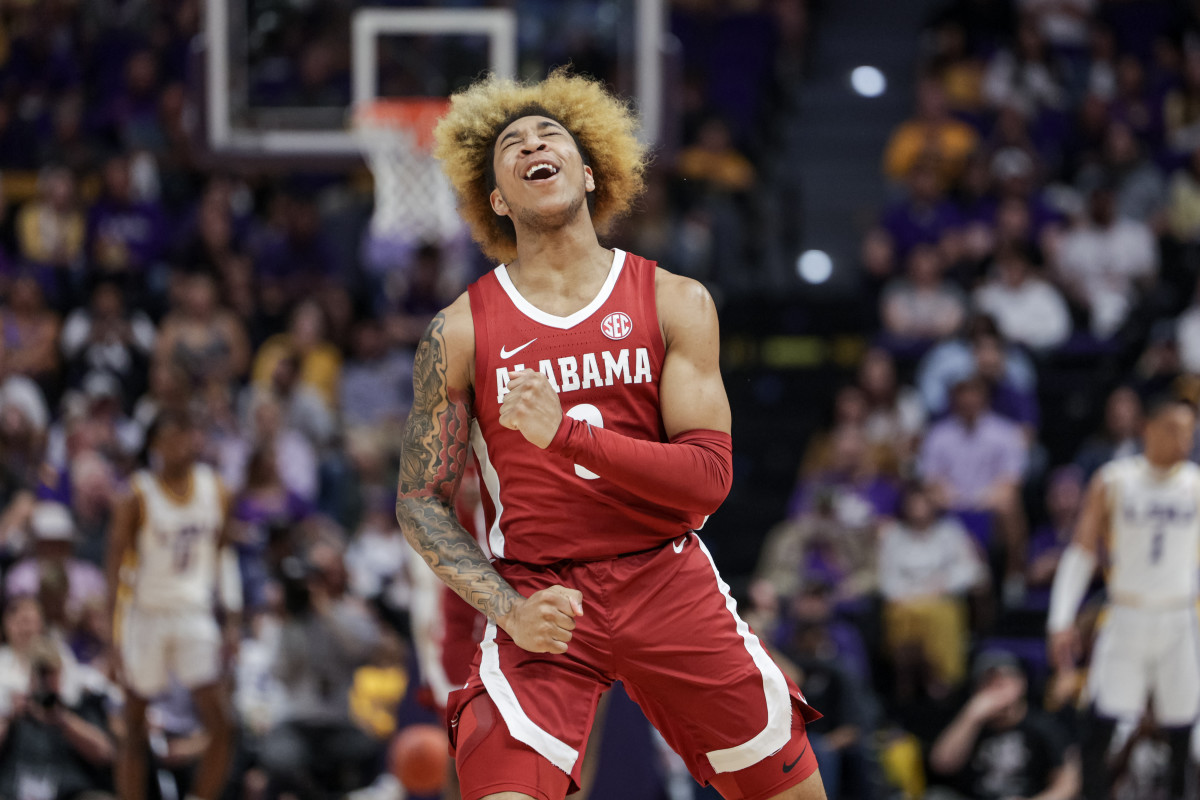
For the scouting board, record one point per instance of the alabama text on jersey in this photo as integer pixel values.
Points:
(605, 361)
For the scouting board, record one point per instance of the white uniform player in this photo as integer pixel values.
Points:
(167, 624)
(167, 564)
(1145, 512)
(1148, 646)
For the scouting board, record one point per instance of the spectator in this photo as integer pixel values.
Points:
(30, 334)
(297, 254)
(1026, 76)
(896, 418)
(50, 229)
(1181, 107)
(932, 137)
(106, 337)
(306, 340)
(326, 635)
(55, 736)
(925, 216)
(714, 162)
(860, 494)
(125, 234)
(838, 737)
(416, 298)
(304, 409)
(1138, 184)
(927, 566)
(1132, 105)
(295, 456)
(953, 358)
(1016, 176)
(205, 340)
(816, 546)
(973, 462)
(54, 537)
(849, 411)
(265, 514)
(1009, 400)
(1064, 499)
(1183, 203)
(921, 307)
(1120, 435)
(998, 747)
(376, 384)
(1105, 261)
(1027, 309)
(1064, 23)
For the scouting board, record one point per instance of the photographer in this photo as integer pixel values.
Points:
(316, 750)
(54, 743)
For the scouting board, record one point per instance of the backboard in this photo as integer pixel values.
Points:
(281, 76)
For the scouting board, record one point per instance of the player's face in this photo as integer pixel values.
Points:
(177, 445)
(541, 180)
(1169, 436)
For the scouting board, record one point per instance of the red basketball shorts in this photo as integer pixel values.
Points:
(664, 624)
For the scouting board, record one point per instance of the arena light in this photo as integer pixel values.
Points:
(814, 266)
(868, 81)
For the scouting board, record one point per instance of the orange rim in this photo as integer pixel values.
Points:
(416, 114)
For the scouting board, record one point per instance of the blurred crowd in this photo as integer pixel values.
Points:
(1034, 269)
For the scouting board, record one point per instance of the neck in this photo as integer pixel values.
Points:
(570, 251)
(174, 474)
(1160, 463)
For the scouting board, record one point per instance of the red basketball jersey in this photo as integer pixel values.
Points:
(605, 361)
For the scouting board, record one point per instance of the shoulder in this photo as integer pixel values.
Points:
(682, 302)
(455, 324)
(449, 344)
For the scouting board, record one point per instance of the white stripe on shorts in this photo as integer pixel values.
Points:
(778, 732)
(522, 728)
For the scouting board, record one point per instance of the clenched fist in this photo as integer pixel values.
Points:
(543, 622)
(532, 407)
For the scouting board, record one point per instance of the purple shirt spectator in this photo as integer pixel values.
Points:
(257, 516)
(912, 222)
(969, 458)
(124, 234)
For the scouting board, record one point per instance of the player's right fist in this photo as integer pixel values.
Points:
(542, 622)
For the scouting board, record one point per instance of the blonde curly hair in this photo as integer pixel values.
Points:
(602, 125)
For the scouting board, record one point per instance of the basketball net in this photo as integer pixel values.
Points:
(414, 202)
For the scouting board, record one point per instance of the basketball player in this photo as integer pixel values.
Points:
(1146, 511)
(586, 380)
(167, 556)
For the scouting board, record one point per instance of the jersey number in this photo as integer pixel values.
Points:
(183, 546)
(1156, 544)
(586, 412)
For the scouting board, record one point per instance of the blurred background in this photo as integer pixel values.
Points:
(911, 215)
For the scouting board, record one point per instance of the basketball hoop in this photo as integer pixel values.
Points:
(413, 200)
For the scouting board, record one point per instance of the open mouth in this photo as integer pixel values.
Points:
(541, 171)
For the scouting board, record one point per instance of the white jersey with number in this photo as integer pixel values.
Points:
(176, 547)
(1154, 524)
(1148, 645)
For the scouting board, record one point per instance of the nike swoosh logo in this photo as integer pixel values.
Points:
(788, 767)
(510, 353)
(678, 547)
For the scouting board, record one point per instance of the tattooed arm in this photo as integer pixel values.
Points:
(433, 457)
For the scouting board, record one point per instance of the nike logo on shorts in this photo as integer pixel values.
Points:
(789, 767)
(510, 353)
(678, 546)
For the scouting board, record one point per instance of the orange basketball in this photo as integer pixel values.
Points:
(418, 757)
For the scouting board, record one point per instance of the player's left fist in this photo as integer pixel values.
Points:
(531, 406)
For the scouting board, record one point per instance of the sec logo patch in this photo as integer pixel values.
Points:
(617, 325)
